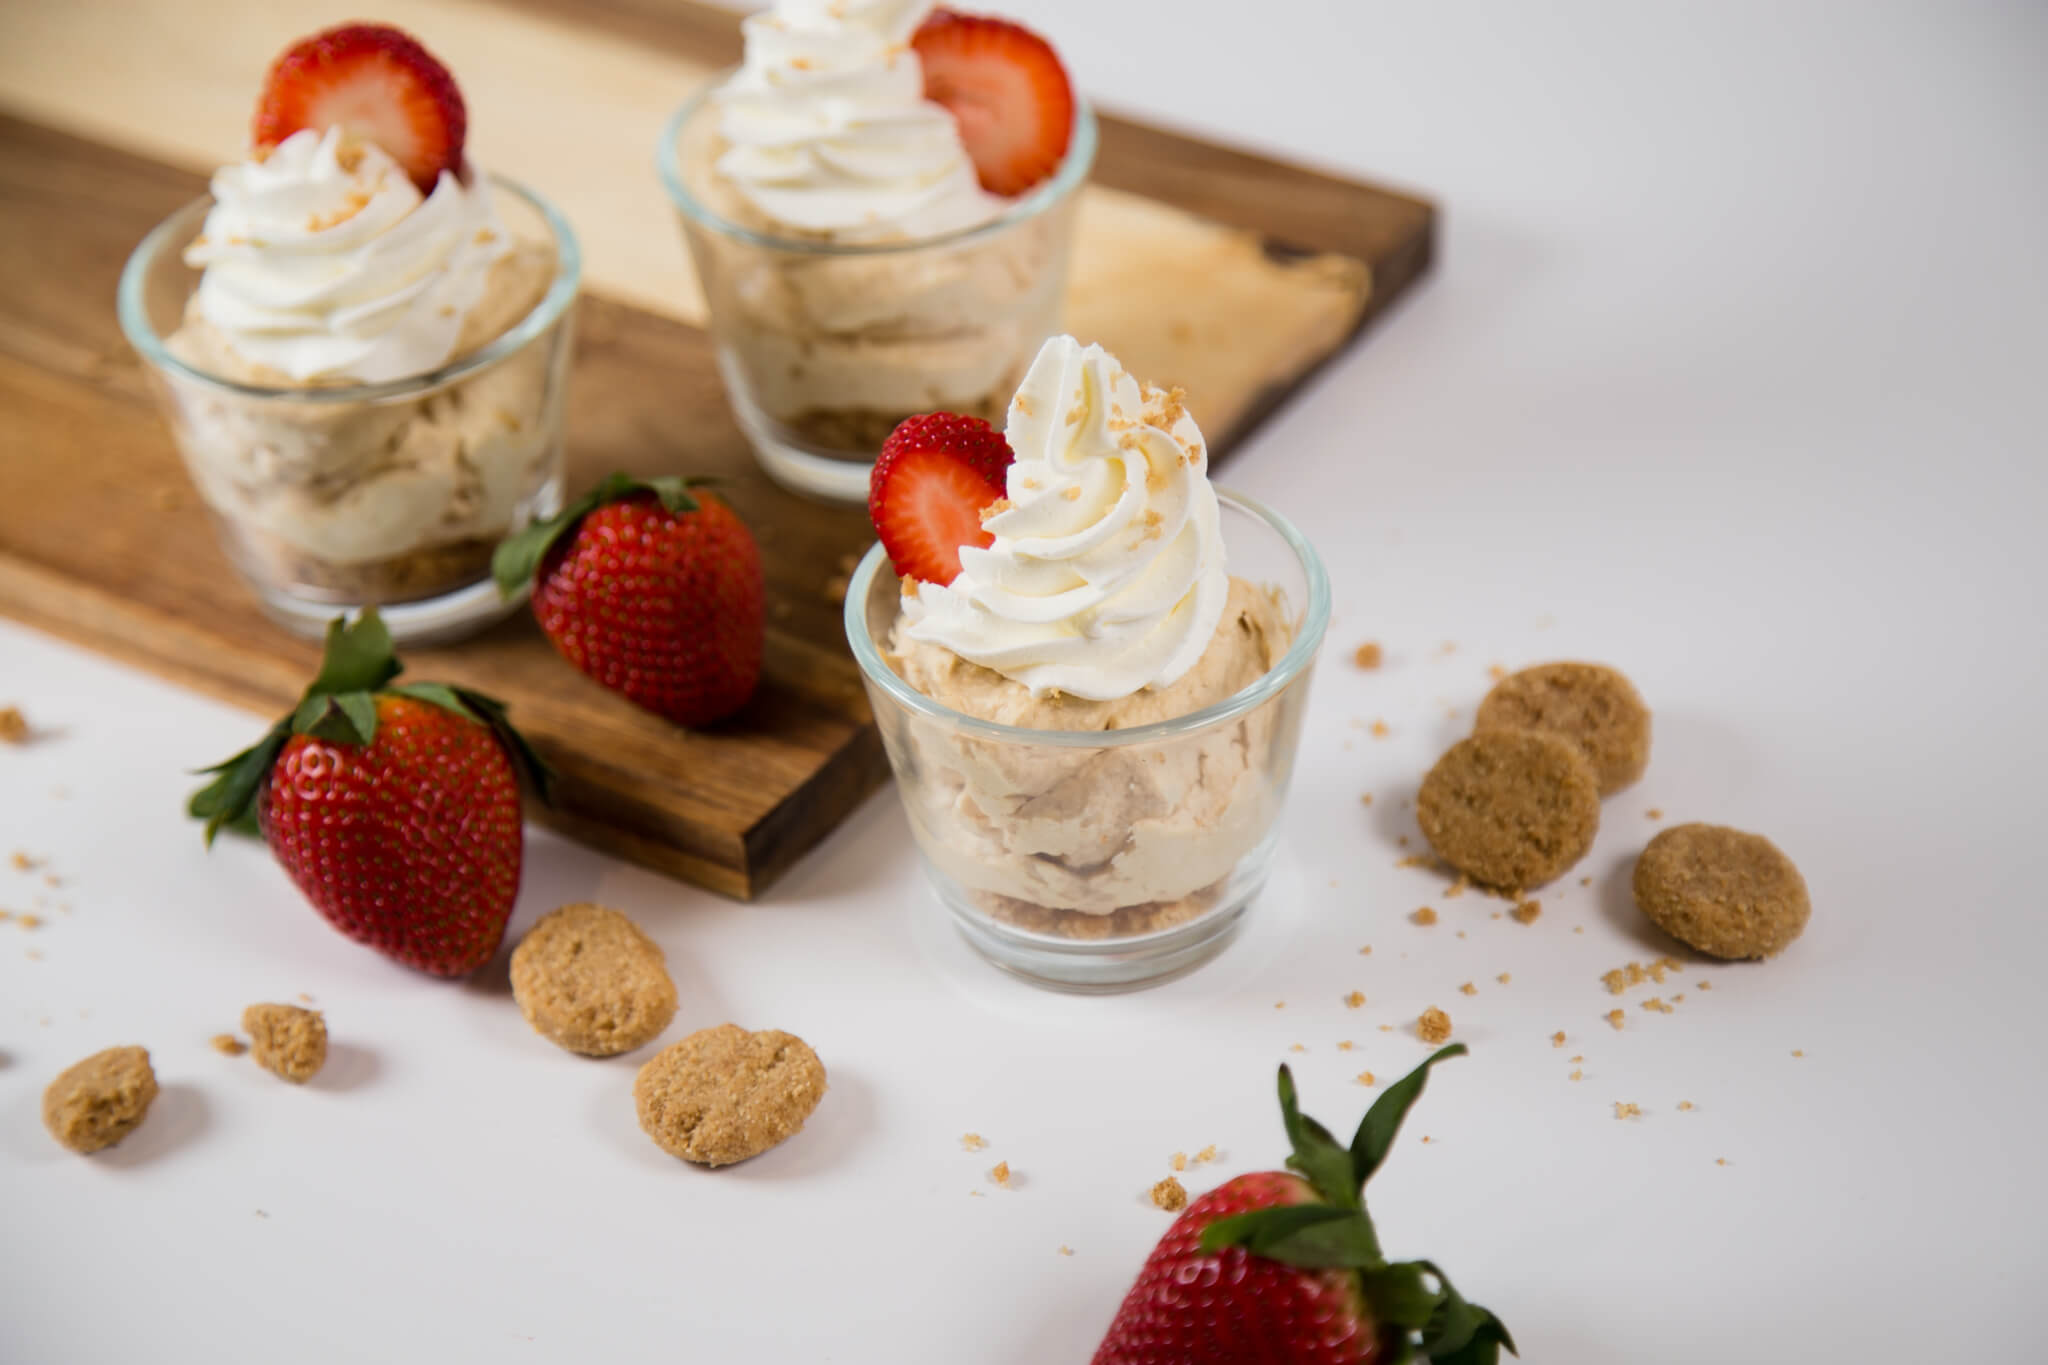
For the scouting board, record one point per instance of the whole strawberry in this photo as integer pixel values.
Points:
(394, 808)
(651, 588)
(1285, 1267)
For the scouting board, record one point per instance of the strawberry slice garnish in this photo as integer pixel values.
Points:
(935, 476)
(1005, 87)
(379, 84)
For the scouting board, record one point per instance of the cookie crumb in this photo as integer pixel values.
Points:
(22, 862)
(1615, 1018)
(725, 1094)
(1684, 1106)
(1798, 1052)
(228, 1045)
(1179, 1161)
(1354, 1000)
(1433, 1025)
(1366, 951)
(1577, 1059)
(1557, 1038)
(1578, 1075)
(30, 920)
(1504, 978)
(591, 982)
(1720, 1161)
(1624, 1110)
(1345, 1045)
(1425, 916)
(1066, 1250)
(1207, 1153)
(1296, 1047)
(1456, 888)
(972, 1142)
(99, 1101)
(1367, 1078)
(1496, 672)
(1425, 1138)
(1380, 730)
(1366, 799)
(1169, 1195)
(1656, 1004)
(1000, 1173)
(1368, 655)
(289, 1042)
(1653, 813)
(1468, 989)
(1525, 912)
(1279, 1004)
(1706, 985)
(1585, 881)
(13, 725)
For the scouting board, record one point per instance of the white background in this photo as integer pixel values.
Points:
(1730, 374)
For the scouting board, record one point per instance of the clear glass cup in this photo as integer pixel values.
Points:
(1164, 833)
(824, 347)
(333, 497)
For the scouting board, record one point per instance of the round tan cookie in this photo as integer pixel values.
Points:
(100, 1100)
(1726, 893)
(589, 980)
(723, 1094)
(288, 1041)
(1510, 808)
(1589, 704)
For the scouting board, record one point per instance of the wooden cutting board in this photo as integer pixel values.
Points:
(1230, 275)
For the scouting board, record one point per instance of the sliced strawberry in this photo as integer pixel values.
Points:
(1005, 87)
(931, 482)
(380, 85)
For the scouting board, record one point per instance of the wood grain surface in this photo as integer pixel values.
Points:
(1230, 275)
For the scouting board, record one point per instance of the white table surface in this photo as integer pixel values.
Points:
(1730, 374)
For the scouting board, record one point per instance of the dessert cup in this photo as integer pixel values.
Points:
(1102, 860)
(333, 496)
(825, 345)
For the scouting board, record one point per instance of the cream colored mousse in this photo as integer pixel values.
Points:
(823, 137)
(326, 267)
(1104, 604)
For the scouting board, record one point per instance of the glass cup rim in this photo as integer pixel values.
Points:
(142, 334)
(1072, 173)
(1308, 639)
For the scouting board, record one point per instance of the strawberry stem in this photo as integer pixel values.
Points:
(519, 557)
(340, 706)
(1338, 1234)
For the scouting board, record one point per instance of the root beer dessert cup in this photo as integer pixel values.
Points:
(361, 343)
(879, 203)
(1092, 721)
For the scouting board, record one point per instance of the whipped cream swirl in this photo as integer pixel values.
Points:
(828, 131)
(1107, 573)
(324, 261)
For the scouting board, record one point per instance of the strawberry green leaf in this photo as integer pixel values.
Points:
(1400, 1294)
(1316, 1153)
(358, 657)
(1459, 1332)
(1377, 1129)
(531, 769)
(1314, 1236)
(519, 557)
(1260, 1228)
(341, 718)
(229, 801)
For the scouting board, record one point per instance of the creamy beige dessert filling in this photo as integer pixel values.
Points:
(843, 347)
(1098, 831)
(391, 499)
